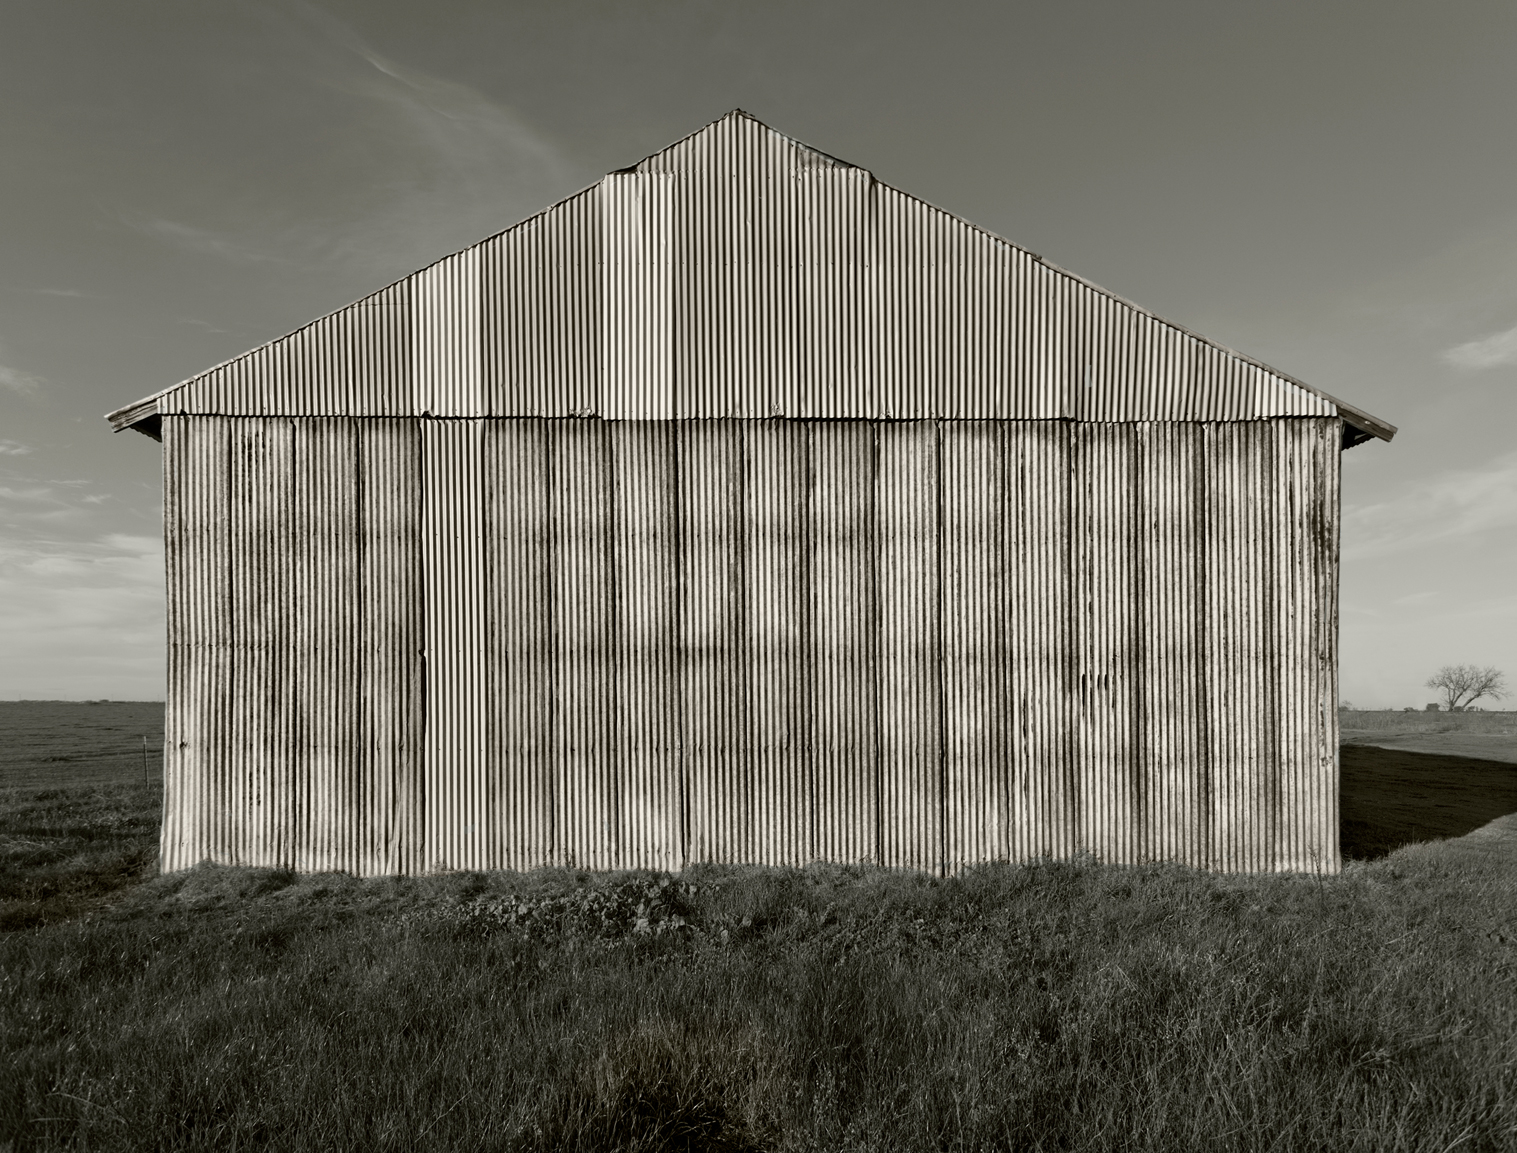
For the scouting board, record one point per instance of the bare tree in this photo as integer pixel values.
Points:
(1463, 685)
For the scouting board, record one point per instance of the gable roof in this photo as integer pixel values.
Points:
(739, 273)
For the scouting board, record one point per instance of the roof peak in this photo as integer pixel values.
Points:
(823, 219)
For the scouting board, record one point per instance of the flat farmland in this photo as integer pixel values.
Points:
(1488, 736)
(79, 805)
(75, 743)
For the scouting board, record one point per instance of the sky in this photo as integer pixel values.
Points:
(1330, 187)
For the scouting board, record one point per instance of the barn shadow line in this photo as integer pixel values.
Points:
(1390, 798)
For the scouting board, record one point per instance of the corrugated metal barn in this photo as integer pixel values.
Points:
(743, 508)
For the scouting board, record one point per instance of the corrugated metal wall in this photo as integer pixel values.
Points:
(741, 274)
(741, 507)
(400, 645)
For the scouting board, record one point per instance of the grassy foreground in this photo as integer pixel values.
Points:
(1050, 1007)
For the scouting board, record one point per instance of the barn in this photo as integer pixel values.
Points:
(742, 508)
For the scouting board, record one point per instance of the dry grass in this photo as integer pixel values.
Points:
(64, 850)
(1051, 1007)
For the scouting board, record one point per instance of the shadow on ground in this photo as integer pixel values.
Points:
(1392, 798)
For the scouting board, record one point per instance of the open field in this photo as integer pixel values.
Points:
(1484, 736)
(79, 742)
(1400, 720)
(1055, 1007)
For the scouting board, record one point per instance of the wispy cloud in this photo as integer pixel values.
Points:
(1489, 352)
(57, 292)
(14, 448)
(38, 508)
(1415, 598)
(430, 164)
(466, 131)
(201, 241)
(34, 504)
(23, 383)
(1461, 503)
(450, 164)
(205, 324)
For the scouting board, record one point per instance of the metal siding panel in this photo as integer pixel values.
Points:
(200, 617)
(389, 644)
(909, 670)
(446, 346)
(1289, 640)
(1222, 667)
(1041, 691)
(1324, 526)
(712, 641)
(780, 629)
(458, 688)
(1312, 796)
(1272, 673)
(253, 792)
(717, 276)
(831, 256)
(890, 275)
(266, 757)
(542, 316)
(844, 616)
(587, 795)
(978, 627)
(518, 664)
(207, 645)
(1104, 563)
(379, 383)
(306, 370)
(1173, 767)
(637, 367)
(1235, 656)
(325, 583)
(646, 576)
(180, 599)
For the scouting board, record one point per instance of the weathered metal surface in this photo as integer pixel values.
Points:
(739, 273)
(409, 645)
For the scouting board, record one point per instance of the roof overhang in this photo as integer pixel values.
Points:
(143, 417)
